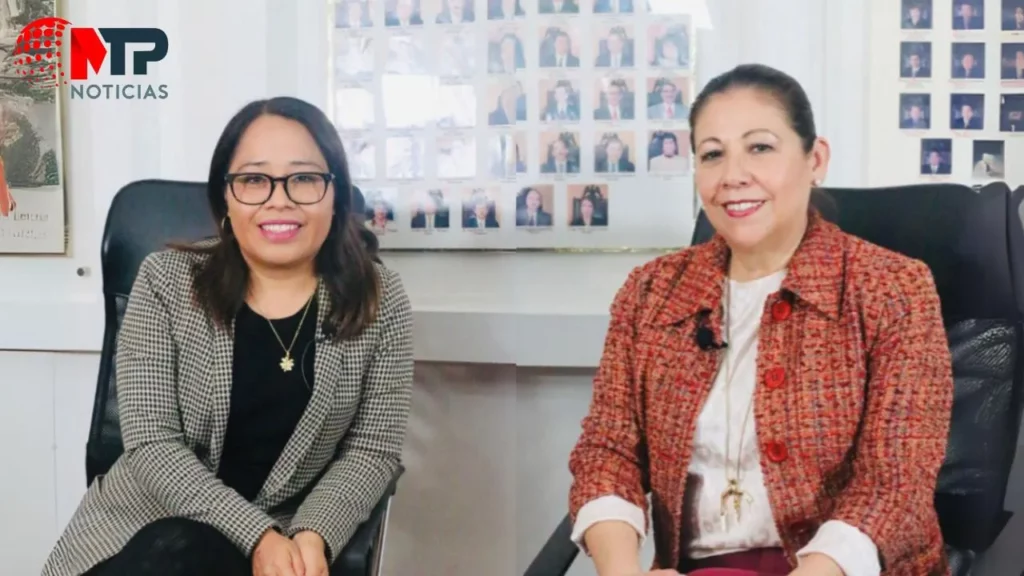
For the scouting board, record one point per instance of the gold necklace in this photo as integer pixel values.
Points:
(733, 493)
(287, 363)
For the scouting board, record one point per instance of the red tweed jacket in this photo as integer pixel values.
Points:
(852, 405)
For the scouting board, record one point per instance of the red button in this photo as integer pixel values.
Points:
(774, 378)
(781, 310)
(776, 451)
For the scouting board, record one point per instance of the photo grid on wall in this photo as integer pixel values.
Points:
(960, 91)
(509, 124)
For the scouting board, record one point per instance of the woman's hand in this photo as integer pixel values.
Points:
(277, 555)
(311, 547)
(817, 565)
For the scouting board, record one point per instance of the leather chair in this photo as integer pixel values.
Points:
(143, 218)
(973, 241)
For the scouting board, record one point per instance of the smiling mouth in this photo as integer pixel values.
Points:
(742, 208)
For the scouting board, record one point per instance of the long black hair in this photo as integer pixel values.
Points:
(345, 261)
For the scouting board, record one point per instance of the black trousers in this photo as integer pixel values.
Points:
(178, 547)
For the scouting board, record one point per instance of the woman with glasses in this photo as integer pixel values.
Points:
(263, 376)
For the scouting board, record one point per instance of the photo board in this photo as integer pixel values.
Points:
(517, 124)
(947, 91)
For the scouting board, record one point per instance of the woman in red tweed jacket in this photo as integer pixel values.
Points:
(783, 391)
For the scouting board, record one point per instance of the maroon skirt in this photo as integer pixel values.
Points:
(758, 562)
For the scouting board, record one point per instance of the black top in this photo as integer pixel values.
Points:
(266, 402)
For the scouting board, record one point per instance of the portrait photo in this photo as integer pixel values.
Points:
(936, 156)
(989, 159)
(380, 210)
(505, 53)
(668, 152)
(915, 59)
(353, 56)
(354, 109)
(361, 154)
(615, 153)
(915, 111)
(535, 206)
(559, 100)
(456, 156)
(558, 6)
(407, 55)
(613, 6)
(505, 9)
(403, 13)
(615, 46)
(967, 111)
(916, 15)
(968, 15)
(457, 54)
(668, 98)
(408, 101)
(353, 13)
(668, 46)
(456, 12)
(404, 157)
(559, 47)
(480, 209)
(456, 106)
(1013, 15)
(1011, 113)
(506, 103)
(429, 210)
(588, 205)
(614, 99)
(968, 60)
(506, 154)
(1012, 61)
(559, 153)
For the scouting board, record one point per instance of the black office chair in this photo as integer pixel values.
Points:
(974, 244)
(143, 218)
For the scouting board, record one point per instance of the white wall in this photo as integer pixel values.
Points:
(488, 443)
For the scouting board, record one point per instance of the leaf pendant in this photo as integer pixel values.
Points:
(287, 363)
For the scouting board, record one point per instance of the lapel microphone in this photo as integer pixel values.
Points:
(705, 337)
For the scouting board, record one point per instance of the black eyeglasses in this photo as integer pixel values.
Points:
(255, 188)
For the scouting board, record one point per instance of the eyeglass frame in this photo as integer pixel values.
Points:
(328, 177)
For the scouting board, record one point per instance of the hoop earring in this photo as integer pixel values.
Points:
(224, 225)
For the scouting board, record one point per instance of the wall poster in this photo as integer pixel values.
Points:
(947, 94)
(517, 124)
(32, 210)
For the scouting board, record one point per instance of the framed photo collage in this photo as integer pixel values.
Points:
(507, 124)
(959, 108)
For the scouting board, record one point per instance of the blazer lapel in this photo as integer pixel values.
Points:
(326, 375)
(219, 381)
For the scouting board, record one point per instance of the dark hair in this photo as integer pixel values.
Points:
(345, 260)
(782, 87)
(787, 93)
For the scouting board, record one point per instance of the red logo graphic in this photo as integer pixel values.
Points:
(38, 50)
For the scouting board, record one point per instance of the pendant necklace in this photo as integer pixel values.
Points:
(733, 496)
(287, 363)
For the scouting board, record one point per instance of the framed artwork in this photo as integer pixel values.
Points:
(32, 203)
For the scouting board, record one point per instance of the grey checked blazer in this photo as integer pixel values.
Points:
(173, 385)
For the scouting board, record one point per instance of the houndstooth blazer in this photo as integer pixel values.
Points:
(174, 388)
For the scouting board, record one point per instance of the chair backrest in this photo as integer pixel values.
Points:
(144, 217)
(973, 242)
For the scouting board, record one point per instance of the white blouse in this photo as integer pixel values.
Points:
(706, 479)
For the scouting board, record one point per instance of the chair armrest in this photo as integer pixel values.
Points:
(355, 557)
(558, 553)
